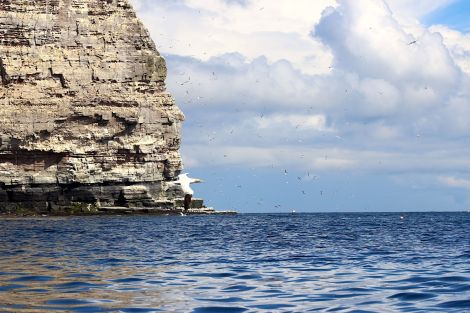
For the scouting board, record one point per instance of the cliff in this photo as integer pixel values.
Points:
(85, 119)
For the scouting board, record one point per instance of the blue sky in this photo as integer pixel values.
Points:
(454, 15)
(348, 105)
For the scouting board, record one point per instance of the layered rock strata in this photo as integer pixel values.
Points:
(85, 118)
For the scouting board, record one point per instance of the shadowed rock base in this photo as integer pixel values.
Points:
(95, 199)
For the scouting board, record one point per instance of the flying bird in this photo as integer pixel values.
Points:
(185, 181)
(413, 42)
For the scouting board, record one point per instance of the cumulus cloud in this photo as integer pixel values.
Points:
(204, 29)
(458, 44)
(231, 79)
(330, 85)
(367, 40)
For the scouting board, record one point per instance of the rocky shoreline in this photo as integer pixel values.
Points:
(82, 209)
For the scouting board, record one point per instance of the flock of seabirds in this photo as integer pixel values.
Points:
(184, 181)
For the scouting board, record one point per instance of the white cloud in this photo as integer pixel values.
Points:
(458, 44)
(232, 80)
(380, 98)
(257, 86)
(206, 28)
(455, 182)
(304, 122)
(326, 159)
(367, 39)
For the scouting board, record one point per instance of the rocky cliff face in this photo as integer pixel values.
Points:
(84, 115)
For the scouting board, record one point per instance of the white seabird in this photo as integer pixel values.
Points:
(185, 182)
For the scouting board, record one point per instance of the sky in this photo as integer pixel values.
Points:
(321, 106)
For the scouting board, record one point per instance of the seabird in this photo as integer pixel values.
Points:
(184, 181)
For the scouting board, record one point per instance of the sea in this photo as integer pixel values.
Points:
(357, 263)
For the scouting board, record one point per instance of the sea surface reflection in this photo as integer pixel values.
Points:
(246, 263)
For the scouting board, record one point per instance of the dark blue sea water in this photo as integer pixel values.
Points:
(246, 263)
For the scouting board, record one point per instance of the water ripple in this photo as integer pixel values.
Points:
(357, 263)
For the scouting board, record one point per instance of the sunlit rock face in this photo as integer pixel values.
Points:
(84, 114)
